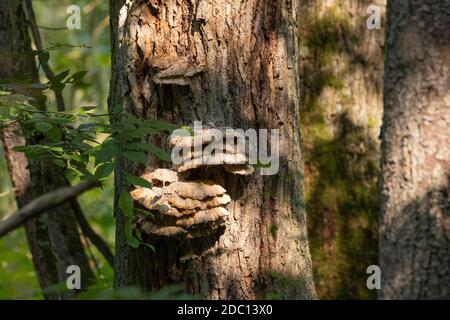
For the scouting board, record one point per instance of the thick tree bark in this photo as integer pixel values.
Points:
(415, 217)
(247, 51)
(53, 237)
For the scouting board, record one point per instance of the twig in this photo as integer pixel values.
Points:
(55, 46)
(60, 104)
(38, 42)
(64, 113)
(43, 203)
(49, 28)
(91, 254)
(5, 193)
(87, 230)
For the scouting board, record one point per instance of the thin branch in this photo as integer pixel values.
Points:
(48, 28)
(52, 28)
(60, 104)
(8, 192)
(64, 113)
(87, 230)
(55, 46)
(38, 42)
(43, 203)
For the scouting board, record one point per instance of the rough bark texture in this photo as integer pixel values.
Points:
(415, 220)
(53, 237)
(246, 52)
(341, 63)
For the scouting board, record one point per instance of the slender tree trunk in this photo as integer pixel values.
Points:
(53, 237)
(415, 216)
(248, 57)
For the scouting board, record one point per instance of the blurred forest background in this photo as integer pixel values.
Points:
(91, 52)
(341, 72)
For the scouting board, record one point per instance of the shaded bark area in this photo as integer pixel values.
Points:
(415, 216)
(341, 65)
(53, 237)
(245, 58)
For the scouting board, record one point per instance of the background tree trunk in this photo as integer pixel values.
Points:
(249, 57)
(341, 65)
(415, 217)
(53, 237)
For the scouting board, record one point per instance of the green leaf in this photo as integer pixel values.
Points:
(55, 149)
(148, 245)
(59, 120)
(125, 204)
(57, 86)
(161, 125)
(77, 76)
(117, 108)
(71, 173)
(60, 76)
(140, 132)
(54, 134)
(22, 148)
(44, 56)
(160, 153)
(43, 126)
(85, 174)
(15, 99)
(106, 152)
(136, 156)
(88, 108)
(138, 181)
(59, 163)
(143, 211)
(104, 170)
(87, 127)
(131, 239)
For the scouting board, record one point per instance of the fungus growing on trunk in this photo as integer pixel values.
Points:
(182, 204)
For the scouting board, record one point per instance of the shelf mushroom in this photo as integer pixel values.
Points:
(180, 208)
(206, 151)
(191, 208)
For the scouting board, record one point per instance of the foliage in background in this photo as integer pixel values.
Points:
(95, 57)
(18, 278)
(69, 140)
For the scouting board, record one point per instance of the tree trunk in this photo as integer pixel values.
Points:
(53, 237)
(415, 217)
(247, 51)
(341, 63)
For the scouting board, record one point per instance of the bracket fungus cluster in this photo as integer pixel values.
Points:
(181, 202)
(210, 147)
(180, 208)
